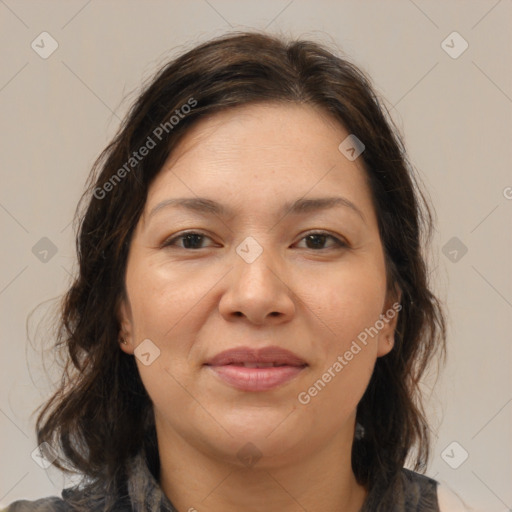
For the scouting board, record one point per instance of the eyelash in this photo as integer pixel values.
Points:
(170, 242)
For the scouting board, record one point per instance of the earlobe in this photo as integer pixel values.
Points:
(125, 338)
(385, 344)
(389, 319)
(125, 345)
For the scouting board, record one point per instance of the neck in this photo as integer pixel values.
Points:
(195, 480)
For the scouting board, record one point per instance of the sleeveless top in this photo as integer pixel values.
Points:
(141, 492)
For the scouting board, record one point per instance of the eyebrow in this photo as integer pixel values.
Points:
(300, 206)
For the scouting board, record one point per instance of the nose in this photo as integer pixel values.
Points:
(258, 291)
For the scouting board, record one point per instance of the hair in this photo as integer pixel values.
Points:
(101, 415)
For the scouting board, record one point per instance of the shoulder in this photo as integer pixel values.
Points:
(74, 499)
(419, 492)
(418, 479)
(51, 504)
(449, 501)
(431, 494)
(98, 495)
(407, 491)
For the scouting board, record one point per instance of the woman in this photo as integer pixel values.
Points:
(251, 315)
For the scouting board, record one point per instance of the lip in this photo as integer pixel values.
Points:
(263, 355)
(228, 366)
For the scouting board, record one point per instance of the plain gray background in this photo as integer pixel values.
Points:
(454, 109)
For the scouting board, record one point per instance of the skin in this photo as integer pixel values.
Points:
(313, 299)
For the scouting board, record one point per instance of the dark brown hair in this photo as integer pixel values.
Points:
(101, 415)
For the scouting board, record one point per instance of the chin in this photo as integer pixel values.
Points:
(258, 453)
(264, 438)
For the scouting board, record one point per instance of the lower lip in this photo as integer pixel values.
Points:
(256, 379)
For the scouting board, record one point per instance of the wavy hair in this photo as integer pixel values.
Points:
(101, 414)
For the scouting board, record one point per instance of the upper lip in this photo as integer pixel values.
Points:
(272, 354)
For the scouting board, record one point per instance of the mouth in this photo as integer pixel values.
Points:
(256, 364)
(256, 370)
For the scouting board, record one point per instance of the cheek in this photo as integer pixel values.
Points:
(333, 395)
(166, 308)
(160, 298)
(349, 300)
(348, 303)
(162, 302)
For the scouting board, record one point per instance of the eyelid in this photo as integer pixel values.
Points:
(339, 240)
(173, 238)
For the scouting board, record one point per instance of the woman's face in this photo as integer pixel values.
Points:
(265, 267)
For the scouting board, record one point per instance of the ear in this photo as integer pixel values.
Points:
(124, 314)
(389, 319)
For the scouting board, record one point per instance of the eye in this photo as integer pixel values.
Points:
(317, 239)
(191, 240)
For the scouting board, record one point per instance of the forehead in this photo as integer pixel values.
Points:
(270, 131)
(262, 152)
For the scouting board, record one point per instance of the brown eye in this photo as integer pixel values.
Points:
(317, 240)
(191, 240)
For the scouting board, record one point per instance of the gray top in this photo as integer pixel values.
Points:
(141, 493)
